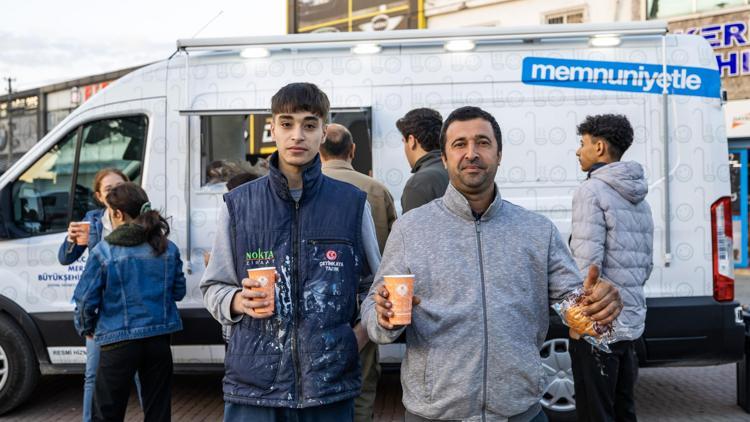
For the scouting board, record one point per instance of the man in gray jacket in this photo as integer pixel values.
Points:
(421, 131)
(485, 273)
(612, 229)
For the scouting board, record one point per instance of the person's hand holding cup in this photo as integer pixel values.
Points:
(394, 300)
(78, 232)
(257, 297)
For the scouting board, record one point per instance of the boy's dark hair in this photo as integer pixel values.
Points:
(129, 198)
(470, 113)
(615, 129)
(424, 125)
(240, 179)
(337, 145)
(301, 96)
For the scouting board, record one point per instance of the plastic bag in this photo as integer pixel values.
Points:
(570, 310)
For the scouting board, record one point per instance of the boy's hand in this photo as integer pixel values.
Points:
(246, 301)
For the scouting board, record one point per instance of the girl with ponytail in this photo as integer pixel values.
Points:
(126, 298)
(75, 244)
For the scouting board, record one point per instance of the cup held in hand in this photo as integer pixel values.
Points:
(84, 227)
(400, 293)
(266, 276)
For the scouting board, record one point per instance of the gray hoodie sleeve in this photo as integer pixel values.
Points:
(219, 282)
(588, 230)
(393, 262)
(562, 273)
(372, 251)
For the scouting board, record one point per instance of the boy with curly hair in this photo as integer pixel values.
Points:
(613, 229)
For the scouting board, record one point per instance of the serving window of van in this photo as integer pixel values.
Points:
(58, 187)
(238, 146)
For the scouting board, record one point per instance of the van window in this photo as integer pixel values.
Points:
(117, 143)
(235, 144)
(41, 196)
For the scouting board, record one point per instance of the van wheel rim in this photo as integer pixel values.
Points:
(3, 368)
(559, 394)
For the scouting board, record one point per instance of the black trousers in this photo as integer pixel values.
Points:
(152, 358)
(604, 382)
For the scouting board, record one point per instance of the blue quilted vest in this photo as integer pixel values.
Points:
(306, 354)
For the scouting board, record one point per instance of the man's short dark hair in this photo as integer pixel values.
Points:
(470, 113)
(615, 129)
(424, 125)
(301, 96)
(338, 144)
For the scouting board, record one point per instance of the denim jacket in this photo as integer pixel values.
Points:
(126, 291)
(67, 255)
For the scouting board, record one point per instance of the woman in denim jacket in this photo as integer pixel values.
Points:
(100, 226)
(104, 181)
(126, 300)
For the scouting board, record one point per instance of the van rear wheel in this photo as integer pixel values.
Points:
(558, 399)
(19, 370)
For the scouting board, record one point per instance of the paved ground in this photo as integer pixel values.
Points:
(663, 394)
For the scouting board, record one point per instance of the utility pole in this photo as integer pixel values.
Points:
(9, 110)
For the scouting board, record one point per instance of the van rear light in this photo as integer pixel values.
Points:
(721, 249)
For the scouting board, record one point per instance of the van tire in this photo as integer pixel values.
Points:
(19, 369)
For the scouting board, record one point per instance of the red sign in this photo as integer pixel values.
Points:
(90, 90)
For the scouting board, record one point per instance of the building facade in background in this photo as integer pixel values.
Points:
(452, 13)
(34, 112)
(725, 25)
(307, 16)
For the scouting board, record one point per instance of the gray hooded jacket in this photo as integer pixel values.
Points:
(612, 228)
(472, 350)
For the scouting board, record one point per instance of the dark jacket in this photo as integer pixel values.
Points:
(306, 354)
(68, 254)
(429, 181)
(126, 291)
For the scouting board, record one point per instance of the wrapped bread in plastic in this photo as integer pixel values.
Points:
(579, 322)
(570, 310)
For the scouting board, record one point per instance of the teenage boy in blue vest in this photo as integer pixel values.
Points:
(301, 363)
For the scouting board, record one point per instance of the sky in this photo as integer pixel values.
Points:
(48, 41)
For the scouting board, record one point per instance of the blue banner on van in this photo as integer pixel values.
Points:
(621, 76)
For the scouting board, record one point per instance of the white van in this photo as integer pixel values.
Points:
(166, 124)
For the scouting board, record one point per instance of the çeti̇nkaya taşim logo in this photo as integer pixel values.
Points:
(621, 76)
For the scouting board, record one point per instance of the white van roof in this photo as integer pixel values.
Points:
(428, 35)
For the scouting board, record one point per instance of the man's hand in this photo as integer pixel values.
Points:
(383, 308)
(602, 302)
(361, 334)
(246, 301)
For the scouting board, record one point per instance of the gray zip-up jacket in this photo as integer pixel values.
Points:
(612, 228)
(472, 350)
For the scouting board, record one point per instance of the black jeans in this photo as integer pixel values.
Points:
(604, 382)
(152, 358)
